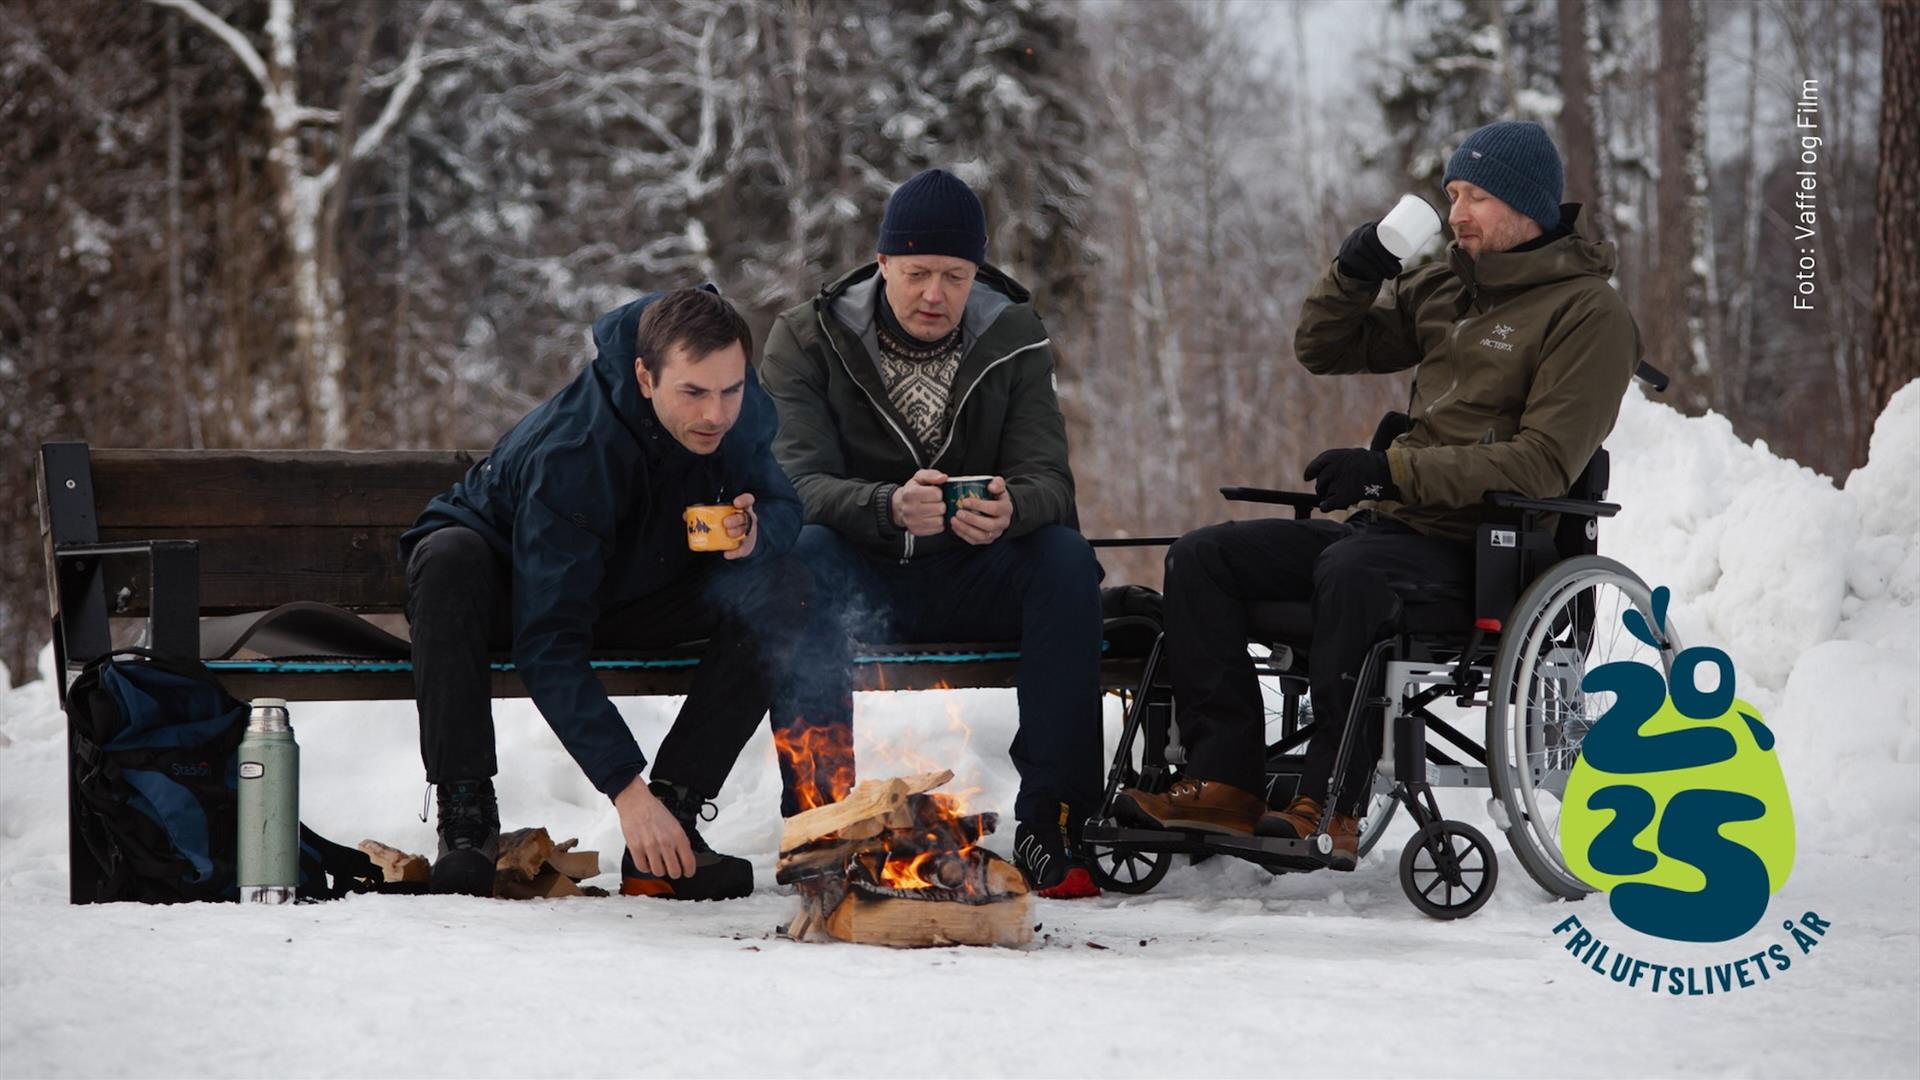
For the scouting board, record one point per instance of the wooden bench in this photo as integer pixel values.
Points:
(280, 569)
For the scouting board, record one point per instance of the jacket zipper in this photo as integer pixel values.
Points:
(1453, 353)
(906, 551)
(954, 417)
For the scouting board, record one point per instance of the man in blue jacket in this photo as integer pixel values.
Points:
(569, 537)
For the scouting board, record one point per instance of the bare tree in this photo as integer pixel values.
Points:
(1580, 137)
(304, 189)
(1896, 291)
(1736, 361)
(1677, 327)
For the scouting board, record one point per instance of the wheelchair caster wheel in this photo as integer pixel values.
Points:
(1126, 870)
(1448, 870)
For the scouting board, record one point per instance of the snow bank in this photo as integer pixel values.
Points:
(1813, 590)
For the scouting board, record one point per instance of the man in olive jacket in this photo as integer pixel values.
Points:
(924, 365)
(1521, 353)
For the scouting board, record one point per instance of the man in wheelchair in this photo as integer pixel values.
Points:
(1521, 353)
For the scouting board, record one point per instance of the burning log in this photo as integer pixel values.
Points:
(895, 864)
(865, 812)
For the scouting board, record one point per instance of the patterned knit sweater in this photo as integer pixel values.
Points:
(919, 377)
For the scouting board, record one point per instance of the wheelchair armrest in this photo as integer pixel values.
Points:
(1303, 502)
(1508, 500)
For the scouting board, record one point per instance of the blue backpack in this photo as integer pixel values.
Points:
(155, 777)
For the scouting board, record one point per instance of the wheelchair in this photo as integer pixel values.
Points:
(1545, 609)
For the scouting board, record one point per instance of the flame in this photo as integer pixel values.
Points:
(821, 759)
(902, 873)
(950, 833)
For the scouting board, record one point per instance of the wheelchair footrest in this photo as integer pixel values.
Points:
(1271, 852)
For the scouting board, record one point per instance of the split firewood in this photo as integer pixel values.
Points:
(815, 859)
(523, 853)
(918, 923)
(862, 814)
(1004, 877)
(547, 884)
(397, 865)
(806, 920)
(578, 865)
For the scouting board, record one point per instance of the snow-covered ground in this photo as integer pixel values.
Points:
(1222, 970)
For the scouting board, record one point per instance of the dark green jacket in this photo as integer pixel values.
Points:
(846, 448)
(1522, 360)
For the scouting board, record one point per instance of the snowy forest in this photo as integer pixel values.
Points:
(356, 224)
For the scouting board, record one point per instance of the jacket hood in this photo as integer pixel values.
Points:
(851, 298)
(1571, 256)
(614, 336)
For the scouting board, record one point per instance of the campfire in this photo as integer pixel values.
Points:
(896, 863)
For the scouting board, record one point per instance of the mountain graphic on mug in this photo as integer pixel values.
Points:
(1677, 808)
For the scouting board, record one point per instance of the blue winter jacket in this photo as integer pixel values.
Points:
(584, 498)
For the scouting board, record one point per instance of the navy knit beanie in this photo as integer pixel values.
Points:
(1514, 160)
(935, 213)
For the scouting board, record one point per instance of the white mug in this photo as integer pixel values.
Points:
(1408, 226)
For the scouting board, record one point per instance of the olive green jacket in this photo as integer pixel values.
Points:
(846, 448)
(1522, 358)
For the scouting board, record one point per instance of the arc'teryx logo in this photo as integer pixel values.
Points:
(1501, 331)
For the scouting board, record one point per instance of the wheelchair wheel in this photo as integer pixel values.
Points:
(1567, 623)
(1124, 870)
(1448, 869)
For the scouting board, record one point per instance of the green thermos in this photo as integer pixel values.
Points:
(269, 852)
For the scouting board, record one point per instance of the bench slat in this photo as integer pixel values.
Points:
(213, 488)
(256, 568)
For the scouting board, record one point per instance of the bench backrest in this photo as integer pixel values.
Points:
(274, 526)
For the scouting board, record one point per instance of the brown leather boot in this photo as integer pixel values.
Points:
(1205, 805)
(1301, 819)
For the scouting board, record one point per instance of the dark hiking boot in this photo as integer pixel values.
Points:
(715, 876)
(1046, 856)
(1301, 819)
(1204, 805)
(469, 839)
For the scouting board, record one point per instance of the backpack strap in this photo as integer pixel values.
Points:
(187, 667)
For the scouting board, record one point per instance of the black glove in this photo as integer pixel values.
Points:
(1344, 477)
(1364, 258)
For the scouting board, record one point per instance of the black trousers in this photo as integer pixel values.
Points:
(1350, 573)
(1041, 589)
(459, 605)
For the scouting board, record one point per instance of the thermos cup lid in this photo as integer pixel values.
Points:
(269, 703)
